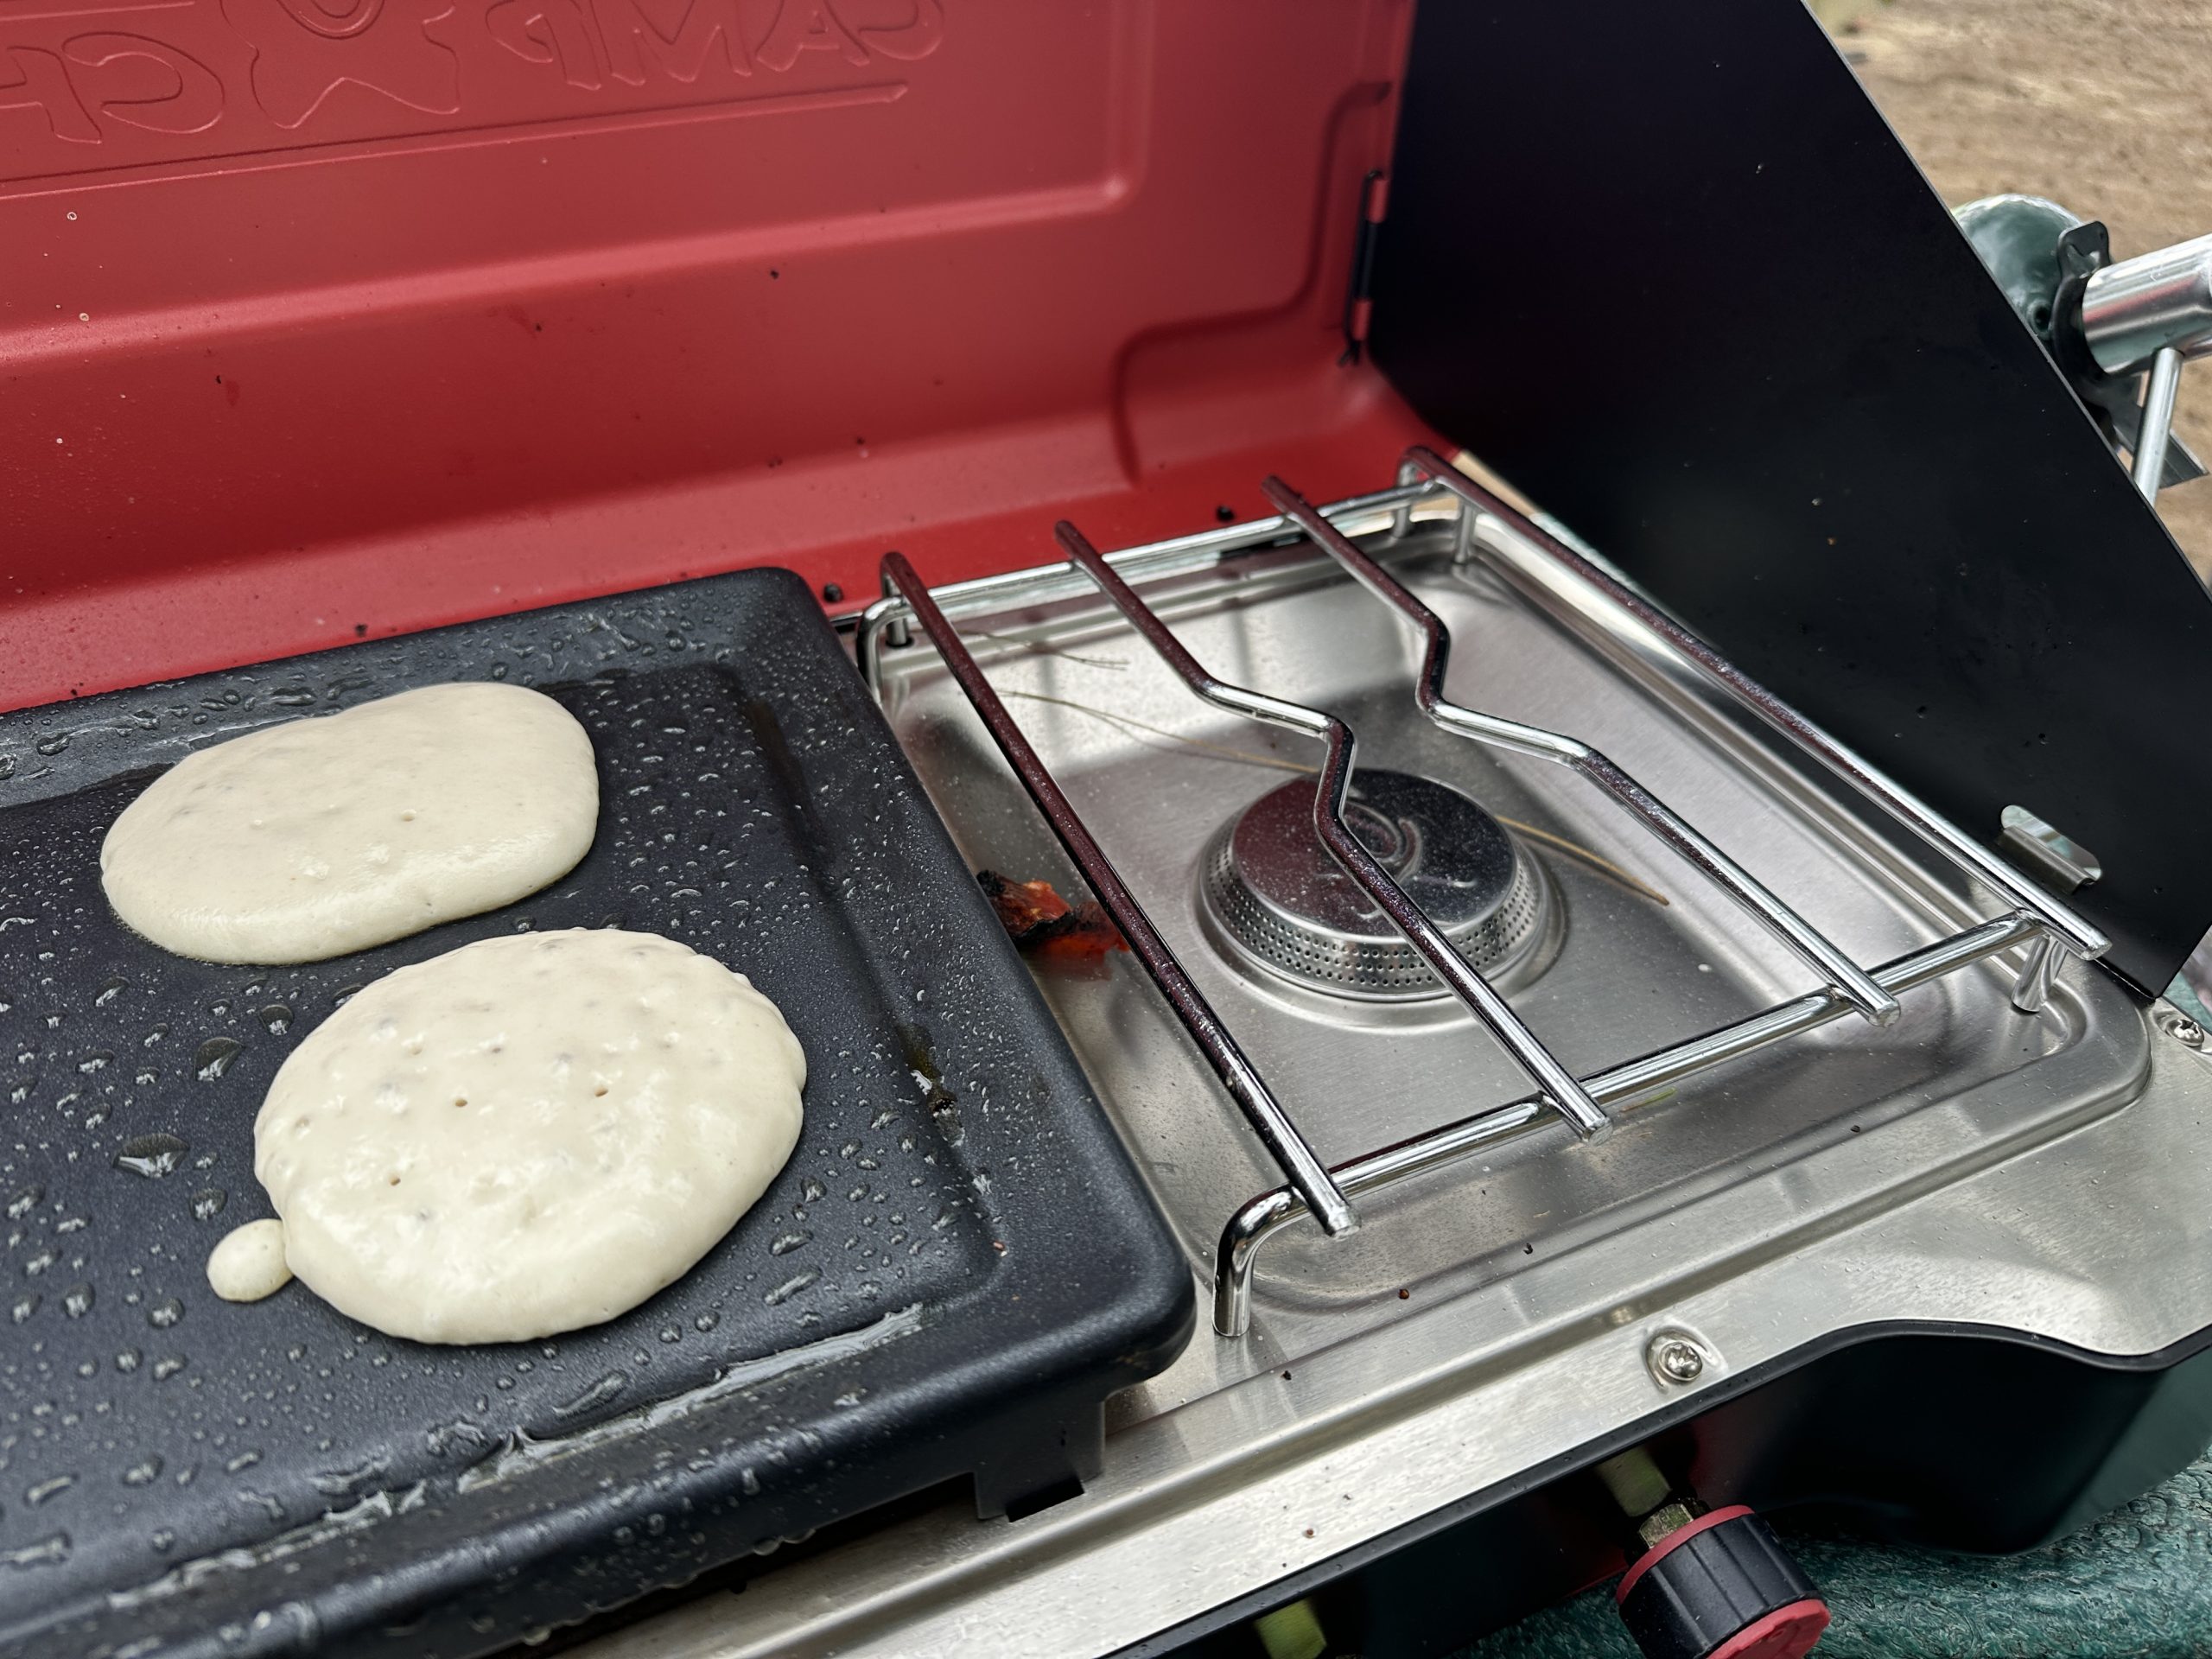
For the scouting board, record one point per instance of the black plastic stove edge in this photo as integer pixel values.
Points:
(1973, 1438)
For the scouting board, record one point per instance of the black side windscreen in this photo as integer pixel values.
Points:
(1667, 271)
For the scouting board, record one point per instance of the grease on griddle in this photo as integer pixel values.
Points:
(1046, 928)
(937, 1099)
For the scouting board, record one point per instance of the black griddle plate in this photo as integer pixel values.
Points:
(957, 1267)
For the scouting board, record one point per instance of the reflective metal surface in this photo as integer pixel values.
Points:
(1253, 1097)
(1277, 899)
(2157, 429)
(1562, 1090)
(1264, 1217)
(1969, 1163)
(1244, 1482)
(2133, 309)
(1847, 975)
(1527, 547)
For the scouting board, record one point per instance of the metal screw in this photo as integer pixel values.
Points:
(1675, 1358)
(2183, 1030)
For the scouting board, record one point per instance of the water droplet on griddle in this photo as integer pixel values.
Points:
(76, 1302)
(24, 1305)
(277, 1018)
(52, 744)
(208, 1202)
(24, 1202)
(113, 988)
(166, 1369)
(127, 1360)
(151, 1155)
(787, 1242)
(47, 1552)
(37, 1495)
(214, 1058)
(789, 1288)
(143, 1472)
(162, 1315)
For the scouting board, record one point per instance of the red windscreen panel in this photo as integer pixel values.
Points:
(320, 318)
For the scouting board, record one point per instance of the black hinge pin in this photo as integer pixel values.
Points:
(1359, 303)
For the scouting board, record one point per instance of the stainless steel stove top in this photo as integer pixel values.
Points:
(1968, 1160)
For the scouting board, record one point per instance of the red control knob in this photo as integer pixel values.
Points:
(1720, 1587)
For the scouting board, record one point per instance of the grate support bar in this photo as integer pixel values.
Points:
(1268, 1215)
(1856, 986)
(1316, 1189)
(2065, 925)
(884, 622)
(1562, 1090)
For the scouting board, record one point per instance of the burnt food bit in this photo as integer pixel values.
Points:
(1045, 926)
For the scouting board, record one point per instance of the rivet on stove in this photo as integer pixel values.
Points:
(1675, 1358)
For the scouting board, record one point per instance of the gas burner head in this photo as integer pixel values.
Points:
(1277, 900)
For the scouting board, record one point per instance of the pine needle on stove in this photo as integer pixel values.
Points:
(1602, 865)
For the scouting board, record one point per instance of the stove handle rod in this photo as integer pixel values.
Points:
(1264, 1217)
(1562, 1089)
(2069, 928)
(1314, 1189)
(1812, 946)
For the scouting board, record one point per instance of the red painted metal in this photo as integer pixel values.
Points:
(320, 318)
(1788, 1632)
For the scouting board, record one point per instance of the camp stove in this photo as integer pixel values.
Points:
(1771, 1150)
(1589, 761)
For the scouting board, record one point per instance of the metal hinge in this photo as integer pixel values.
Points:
(1359, 303)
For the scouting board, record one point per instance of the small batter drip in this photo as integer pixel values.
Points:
(249, 1264)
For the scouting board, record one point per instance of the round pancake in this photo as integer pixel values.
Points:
(528, 1135)
(320, 836)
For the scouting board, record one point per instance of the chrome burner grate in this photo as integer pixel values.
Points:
(1487, 530)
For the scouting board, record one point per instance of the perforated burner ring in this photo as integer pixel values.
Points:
(1278, 901)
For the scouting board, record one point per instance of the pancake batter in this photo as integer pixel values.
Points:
(320, 836)
(526, 1135)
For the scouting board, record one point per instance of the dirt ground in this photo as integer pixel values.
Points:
(2105, 105)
